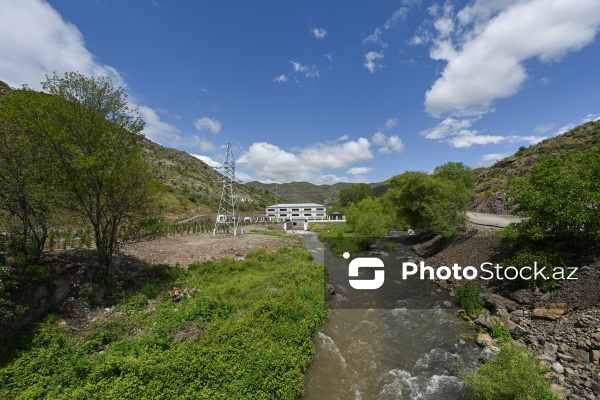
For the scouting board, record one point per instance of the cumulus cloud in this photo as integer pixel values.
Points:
(270, 163)
(207, 160)
(281, 78)
(209, 124)
(379, 138)
(485, 46)
(318, 33)
(359, 170)
(35, 41)
(487, 160)
(371, 59)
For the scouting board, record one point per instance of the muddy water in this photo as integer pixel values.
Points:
(405, 346)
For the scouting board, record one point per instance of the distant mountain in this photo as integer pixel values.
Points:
(302, 192)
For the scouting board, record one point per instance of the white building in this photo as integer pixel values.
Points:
(299, 212)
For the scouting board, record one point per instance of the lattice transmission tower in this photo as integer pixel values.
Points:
(227, 216)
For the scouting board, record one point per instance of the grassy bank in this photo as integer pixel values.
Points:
(247, 333)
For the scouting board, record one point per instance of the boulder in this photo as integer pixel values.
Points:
(523, 296)
(496, 302)
(488, 353)
(486, 321)
(484, 340)
(550, 313)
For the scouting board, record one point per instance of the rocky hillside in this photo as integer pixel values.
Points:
(492, 182)
(188, 185)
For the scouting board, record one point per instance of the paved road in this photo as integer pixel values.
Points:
(493, 220)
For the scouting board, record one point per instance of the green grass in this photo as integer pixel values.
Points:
(339, 238)
(246, 334)
(513, 375)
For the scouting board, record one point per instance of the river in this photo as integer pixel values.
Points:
(396, 342)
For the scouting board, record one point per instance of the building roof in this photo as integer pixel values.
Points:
(299, 205)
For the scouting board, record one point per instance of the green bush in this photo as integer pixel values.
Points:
(391, 246)
(513, 375)
(500, 332)
(470, 299)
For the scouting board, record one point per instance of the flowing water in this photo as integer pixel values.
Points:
(405, 346)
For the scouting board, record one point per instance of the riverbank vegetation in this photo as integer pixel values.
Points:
(241, 329)
(560, 199)
(513, 374)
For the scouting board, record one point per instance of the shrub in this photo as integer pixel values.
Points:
(500, 332)
(470, 299)
(391, 246)
(513, 374)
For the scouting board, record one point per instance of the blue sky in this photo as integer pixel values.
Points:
(325, 91)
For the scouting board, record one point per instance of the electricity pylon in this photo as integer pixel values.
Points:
(227, 216)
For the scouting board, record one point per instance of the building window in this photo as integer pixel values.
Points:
(283, 215)
(283, 209)
(320, 209)
(295, 215)
(307, 215)
(270, 209)
(307, 209)
(320, 215)
(295, 209)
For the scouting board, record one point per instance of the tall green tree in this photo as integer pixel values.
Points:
(434, 203)
(368, 221)
(28, 189)
(561, 198)
(95, 138)
(355, 193)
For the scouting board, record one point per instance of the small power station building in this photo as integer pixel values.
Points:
(299, 212)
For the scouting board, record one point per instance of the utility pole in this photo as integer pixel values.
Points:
(227, 216)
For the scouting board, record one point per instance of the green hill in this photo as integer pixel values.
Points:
(302, 192)
(492, 182)
(188, 186)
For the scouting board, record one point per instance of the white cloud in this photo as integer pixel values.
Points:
(468, 140)
(281, 78)
(329, 56)
(375, 37)
(370, 60)
(207, 160)
(390, 123)
(201, 143)
(309, 72)
(35, 41)
(492, 157)
(318, 33)
(447, 127)
(491, 42)
(398, 17)
(359, 170)
(209, 124)
(270, 163)
(156, 129)
(395, 144)
(379, 138)
(487, 160)
(391, 144)
(543, 128)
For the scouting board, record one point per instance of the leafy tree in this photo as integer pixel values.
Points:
(368, 221)
(457, 173)
(561, 198)
(27, 184)
(433, 203)
(96, 140)
(355, 193)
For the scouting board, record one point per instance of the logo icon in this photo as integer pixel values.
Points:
(366, 262)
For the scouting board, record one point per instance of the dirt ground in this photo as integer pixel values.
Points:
(200, 247)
